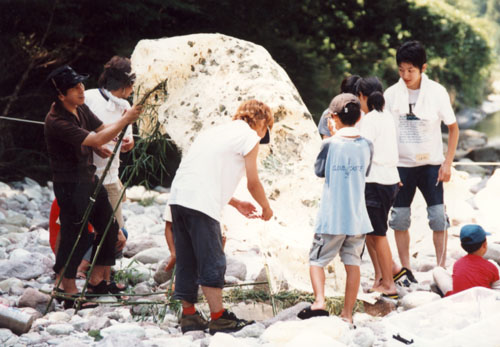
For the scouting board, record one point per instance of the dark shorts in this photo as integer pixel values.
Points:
(424, 178)
(200, 257)
(379, 199)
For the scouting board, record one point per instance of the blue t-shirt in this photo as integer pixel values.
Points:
(344, 162)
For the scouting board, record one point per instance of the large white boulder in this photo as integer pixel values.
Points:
(209, 75)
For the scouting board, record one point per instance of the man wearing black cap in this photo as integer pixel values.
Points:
(71, 130)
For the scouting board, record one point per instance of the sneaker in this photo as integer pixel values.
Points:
(227, 323)
(193, 322)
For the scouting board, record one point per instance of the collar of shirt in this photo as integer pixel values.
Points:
(348, 132)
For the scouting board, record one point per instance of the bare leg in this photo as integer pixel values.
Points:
(440, 239)
(351, 291)
(214, 298)
(317, 274)
(371, 246)
(403, 243)
(384, 256)
(98, 274)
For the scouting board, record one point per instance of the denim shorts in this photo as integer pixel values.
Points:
(424, 178)
(200, 256)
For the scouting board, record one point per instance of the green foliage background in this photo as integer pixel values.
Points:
(317, 42)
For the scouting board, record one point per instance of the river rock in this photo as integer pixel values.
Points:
(138, 245)
(124, 329)
(362, 337)
(153, 255)
(17, 219)
(487, 154)
(418, 298)
(238, 70)
(119, 340)
(7, 337)
(162, 276)
(60, 329)
(236, 268)
(35, 299)
(328, 328)
(13, 286)
(287, 314)
(25, 267)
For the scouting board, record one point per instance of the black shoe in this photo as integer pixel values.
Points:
(192, 322)
(227, 323)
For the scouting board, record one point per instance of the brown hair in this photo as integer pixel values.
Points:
(117, 74)
(252, 110)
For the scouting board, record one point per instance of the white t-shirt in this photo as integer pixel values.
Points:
(419, 134)
(214, 165)
(379, 128)
(108, 111)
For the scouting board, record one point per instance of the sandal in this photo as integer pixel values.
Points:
(71, 302)
(309, 313)
(101, 288)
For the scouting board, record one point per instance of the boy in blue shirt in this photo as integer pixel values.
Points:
(344, 161)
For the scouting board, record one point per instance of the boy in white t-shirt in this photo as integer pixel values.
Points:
(204, 183)
(419, 105)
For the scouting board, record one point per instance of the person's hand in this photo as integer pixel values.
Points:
(133, 113)
(171, 262)
(247, 209)
(120, 244)
(102, 151)
(127, 144)
(267, 213)
(444, 172)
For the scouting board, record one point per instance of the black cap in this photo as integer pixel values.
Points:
(64, 78)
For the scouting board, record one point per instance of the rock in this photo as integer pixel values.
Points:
(120, 340)
(236, 268)
(135, 246)
(58, 317)
(35, 299)
(25, 268)
(493, 252)
(288, 314)
(97, 323)
(471, 139)
(13, 286)
(162, 276)
(331, 329)
(486, 154)
(124, 329)
(253, 330)
(419, 298)
(472, 169)
(196, 334)
(32, 312)
(382, 307)
(224, 340)
(362, 337)
(60, 329)
(152, 255)
(231, 280)
(7, 337)
(17, 219)
(253, 311)
(31, 339)
(238, 70)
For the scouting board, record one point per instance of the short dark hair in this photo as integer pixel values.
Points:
(351, 116)
(412, 52)
(472, 247)
(348, 84)
(117, 74)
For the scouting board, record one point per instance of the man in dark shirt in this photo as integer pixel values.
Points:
(71, 133)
